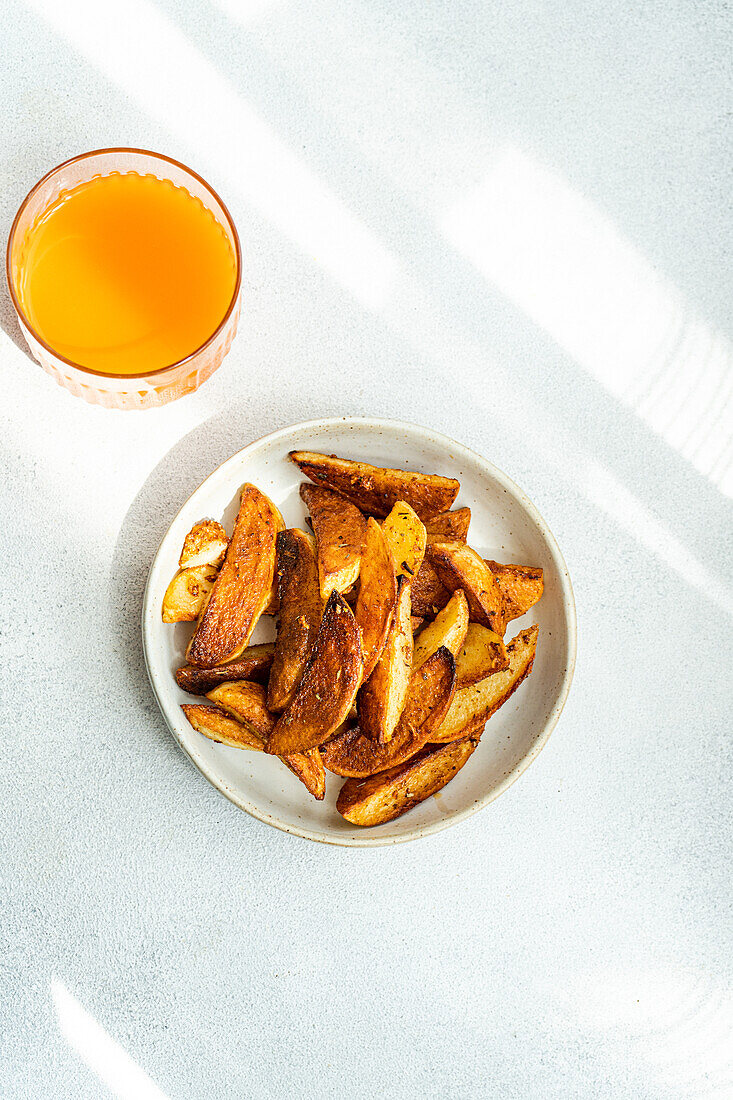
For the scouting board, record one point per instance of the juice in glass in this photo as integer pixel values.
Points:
(126, 273)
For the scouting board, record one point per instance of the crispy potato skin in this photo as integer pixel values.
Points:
(428, 698)
(449, 526)
(247, 703)
(375, 489)
(253, 664)
(329, 684)
(340, 530)
(520, 585)
(217, 725)
(482, 653)
(448, 629)
(473, 706)
(388, 795)
(301, 609)
(377, 598)
(186, 594)
(382, 697)
(242, 589)
(205, 544)
(429, 594)
(458, 566)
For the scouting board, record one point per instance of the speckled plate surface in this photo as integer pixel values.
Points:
(504, 526)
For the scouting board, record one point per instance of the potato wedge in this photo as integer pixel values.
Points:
(301, 610)
(246, 702)
(375, 489)
(328, 686)
(377, 598)
(520, 585)
(482, 653)
(385, 796)
(186, 594)
(406, 538)
(429, 594)
(458, 566)
(449, 526)
(340, 530)
(381, 699)
(474, 705)
(447, 629)
(243, 587)
(252, 664)
(205, 544)
(428, 698)
(217, 725)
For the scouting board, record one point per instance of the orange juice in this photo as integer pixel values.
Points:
(126, 274)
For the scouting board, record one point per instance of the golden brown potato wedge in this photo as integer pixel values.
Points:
(243, 587)
(382, 697)
(217, 725)
(482, 653)
(252, 664)
(428, 698)
(406, 538)
(429, 594)
(458, 566)
(186, 594)
(301, 609)
(246, 702)
(329, 684)
(375, 604)
(449, 526)
(375, 489)
(340, 529)
(447, 629)
(385, 796)
(520, 585)
(474, 705)
(205, 544)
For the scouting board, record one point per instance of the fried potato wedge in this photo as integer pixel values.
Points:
(329, 684)
(447, 629)
(205, 544)
(449, 526)
(377, 598)
(429, 594)
(301, 610)
(340, 529)
(385, 796)
(242, 589)
(246, 702)
(252, 664)
(217, 725)
(428, 698)
(458, 566)
(375, 489)
(381, 699)
(472, 706)
(520, 585)
(406, 538)
(482, 653)
(186, 594)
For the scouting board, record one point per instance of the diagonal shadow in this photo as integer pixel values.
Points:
(668, 485)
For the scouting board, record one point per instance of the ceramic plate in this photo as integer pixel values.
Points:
(504, 526)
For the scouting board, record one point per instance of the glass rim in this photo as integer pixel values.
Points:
(108, 374)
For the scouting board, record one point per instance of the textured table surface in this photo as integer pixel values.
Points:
(510, 222)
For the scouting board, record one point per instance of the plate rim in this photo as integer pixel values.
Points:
(568, 599)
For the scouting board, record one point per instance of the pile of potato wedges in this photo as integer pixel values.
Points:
(389, 655)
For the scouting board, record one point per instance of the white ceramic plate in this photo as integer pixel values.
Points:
(504, 526)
